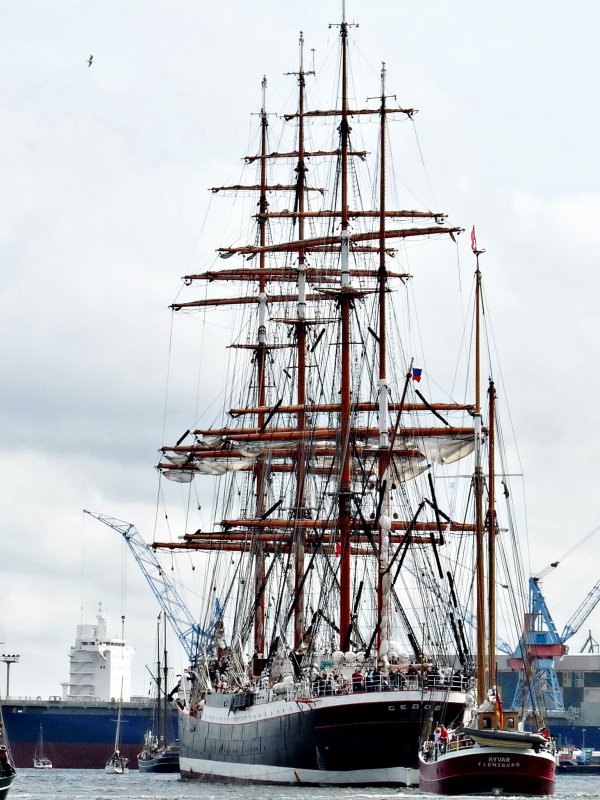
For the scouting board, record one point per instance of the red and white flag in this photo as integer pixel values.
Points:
(473, 240)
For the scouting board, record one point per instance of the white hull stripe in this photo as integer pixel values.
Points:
(397, 776)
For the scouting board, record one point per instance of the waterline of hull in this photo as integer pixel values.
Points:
(201, 769)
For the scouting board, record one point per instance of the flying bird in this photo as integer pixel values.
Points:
(90, 59)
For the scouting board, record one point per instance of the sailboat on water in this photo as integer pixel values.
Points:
(159, 754)
(490, 749)
(117, 764)
(40, 759)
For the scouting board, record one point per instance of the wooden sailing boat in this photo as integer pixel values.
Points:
(491, 752)
(40, 759)
(319, 653)
(159, 754)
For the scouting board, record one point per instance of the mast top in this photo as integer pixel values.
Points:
(474, 248)
(263, 84)
(344, 24)
(301, 72)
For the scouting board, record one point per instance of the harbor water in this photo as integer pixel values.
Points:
(97, 785)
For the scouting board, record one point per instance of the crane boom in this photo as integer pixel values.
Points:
(189, 633)
(582, 613)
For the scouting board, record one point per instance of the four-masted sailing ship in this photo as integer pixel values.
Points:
(333, 630)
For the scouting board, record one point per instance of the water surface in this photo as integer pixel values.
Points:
(76, 784)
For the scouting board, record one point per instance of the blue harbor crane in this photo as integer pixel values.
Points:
(192, 637)
(540, 643)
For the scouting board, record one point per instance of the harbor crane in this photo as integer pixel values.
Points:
(541, 643)
(191, 636)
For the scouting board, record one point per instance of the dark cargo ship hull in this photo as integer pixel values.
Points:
(76, 735)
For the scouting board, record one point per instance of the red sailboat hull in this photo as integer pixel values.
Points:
(489, 770)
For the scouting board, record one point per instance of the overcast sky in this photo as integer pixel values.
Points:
(104, 172)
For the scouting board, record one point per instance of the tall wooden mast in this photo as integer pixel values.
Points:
(384, 581)
(482, 676)
(300, 326)
(491, 534)
(261, 355)
(345, 303)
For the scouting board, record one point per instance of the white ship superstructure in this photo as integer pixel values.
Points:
(100, 664)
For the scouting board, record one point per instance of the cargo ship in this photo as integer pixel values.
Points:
(79, 725)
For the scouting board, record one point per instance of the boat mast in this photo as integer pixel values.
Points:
(384, 582)
(491, 533)
(261, 354)
(482, 677)
(165, 719)
(299, 540)
(158, 680)
(345, 303)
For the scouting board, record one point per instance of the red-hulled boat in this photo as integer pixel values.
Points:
(489, 762)
(491, 752)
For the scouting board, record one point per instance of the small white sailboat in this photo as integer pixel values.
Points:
(40, 759)
(117, 764)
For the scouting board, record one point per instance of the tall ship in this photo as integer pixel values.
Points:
(79, 726)
(328, 492)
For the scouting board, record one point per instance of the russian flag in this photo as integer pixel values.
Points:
(416, 374)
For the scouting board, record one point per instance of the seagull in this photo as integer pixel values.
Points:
(89, 63)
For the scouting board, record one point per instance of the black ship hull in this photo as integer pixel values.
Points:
(166, 761)
(343, 740)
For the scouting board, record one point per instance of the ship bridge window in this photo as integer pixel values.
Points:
(579, 679)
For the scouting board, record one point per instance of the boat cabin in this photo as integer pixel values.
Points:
(507, 721)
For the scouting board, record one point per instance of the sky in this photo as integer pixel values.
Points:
(103, 200)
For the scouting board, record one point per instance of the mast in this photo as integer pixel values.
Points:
(261, 354)
(345, 303)
(482, 676)
(165, 719)
(384, 581)
(158, 681)
(491, 533)
(300, 330)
